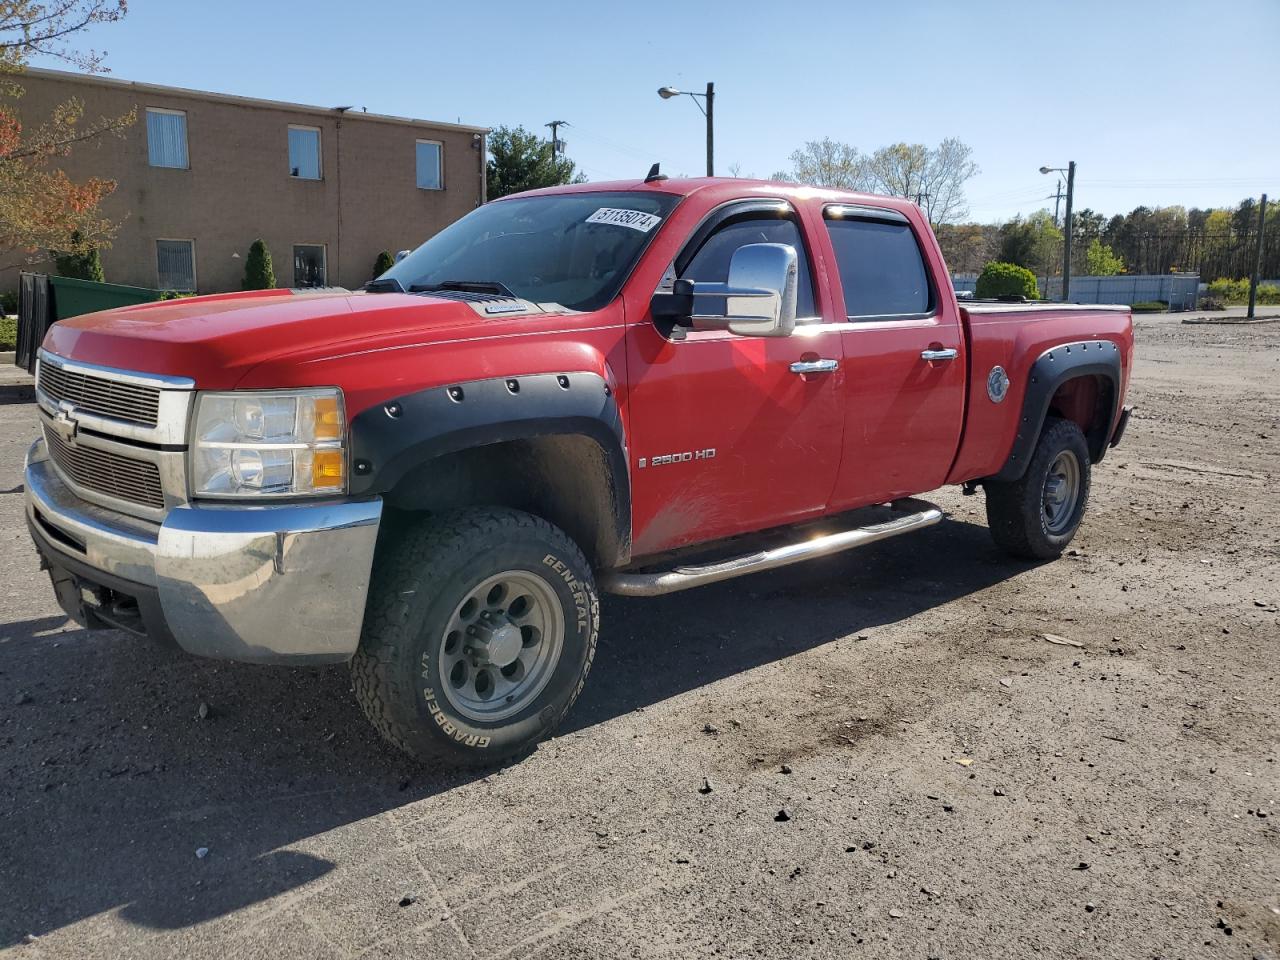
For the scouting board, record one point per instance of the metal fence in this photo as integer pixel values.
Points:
(35, 314)
(1179, 290)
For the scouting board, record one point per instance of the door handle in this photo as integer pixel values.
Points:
(815, 366)
(949, 354)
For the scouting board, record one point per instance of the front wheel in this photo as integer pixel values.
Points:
(479, 632)
(1037, 516)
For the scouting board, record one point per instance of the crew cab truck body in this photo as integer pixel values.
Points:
(578, 386)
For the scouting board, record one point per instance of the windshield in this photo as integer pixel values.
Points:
(573, 249)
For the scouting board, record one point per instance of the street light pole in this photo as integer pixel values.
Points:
(711, 132)
(1066, 247)
(1070, 171)
(708, 111)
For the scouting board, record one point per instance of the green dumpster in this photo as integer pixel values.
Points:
(73, 297)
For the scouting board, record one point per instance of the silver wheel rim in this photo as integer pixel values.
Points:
(1061, 491)
(501, 646)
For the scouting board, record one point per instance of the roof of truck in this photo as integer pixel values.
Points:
(727, 187)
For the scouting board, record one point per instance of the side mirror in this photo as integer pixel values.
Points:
(759, 297)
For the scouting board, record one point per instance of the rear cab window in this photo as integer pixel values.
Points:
(882, 269)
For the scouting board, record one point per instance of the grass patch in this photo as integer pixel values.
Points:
(8, 333)
(1149, 306)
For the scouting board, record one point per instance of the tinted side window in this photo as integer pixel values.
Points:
(711, 263)
(881, 269)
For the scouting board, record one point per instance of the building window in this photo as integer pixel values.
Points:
(428, 160)
(176, 265)
(304, 152)
(167, 138)
(308, 265)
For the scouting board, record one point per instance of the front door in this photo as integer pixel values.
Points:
(726, 436)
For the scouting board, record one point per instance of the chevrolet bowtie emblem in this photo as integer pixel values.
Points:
(64, 424)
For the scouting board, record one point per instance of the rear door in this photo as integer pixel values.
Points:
(728, 434)
(904, 358)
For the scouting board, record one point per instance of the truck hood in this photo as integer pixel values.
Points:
(217, 339)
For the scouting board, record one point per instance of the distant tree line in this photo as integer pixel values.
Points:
(1215, 242)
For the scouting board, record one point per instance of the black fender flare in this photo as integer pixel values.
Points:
(402, 433)
(1051, 370)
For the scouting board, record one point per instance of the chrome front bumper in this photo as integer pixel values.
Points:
(279, 583)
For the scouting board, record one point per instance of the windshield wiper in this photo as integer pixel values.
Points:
(385, 285)
(467, 286)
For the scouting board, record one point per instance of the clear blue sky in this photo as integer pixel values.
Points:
(1158, 102)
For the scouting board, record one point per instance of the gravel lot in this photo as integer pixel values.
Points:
(956, 786)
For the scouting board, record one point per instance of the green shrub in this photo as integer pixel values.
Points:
(8, 301)
(1006, 280)
(384, 263)
(80, 266)
(1229, 291)
(174, 295)
(1149, 306)
(8, 333)
(1237, 291)
(258, 272)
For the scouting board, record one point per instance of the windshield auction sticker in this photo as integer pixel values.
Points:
(635, 219)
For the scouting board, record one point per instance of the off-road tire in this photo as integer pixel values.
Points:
(419, 578)
(1015, 511)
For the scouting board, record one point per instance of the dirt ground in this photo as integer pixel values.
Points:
(953, 784)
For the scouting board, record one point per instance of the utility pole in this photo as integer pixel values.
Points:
(1066, 252)
(1257, 257)
(711, 151)
(555, 126)
(1057, 199)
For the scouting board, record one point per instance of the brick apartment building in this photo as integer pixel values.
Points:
(200, 176)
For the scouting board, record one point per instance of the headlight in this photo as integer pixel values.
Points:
(278, 443)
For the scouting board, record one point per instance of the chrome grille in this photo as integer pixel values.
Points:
(130, 402)
(107, 473)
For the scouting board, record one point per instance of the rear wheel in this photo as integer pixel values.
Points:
(1038, 515)
(479, 632)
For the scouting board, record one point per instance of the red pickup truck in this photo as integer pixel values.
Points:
(638, 387)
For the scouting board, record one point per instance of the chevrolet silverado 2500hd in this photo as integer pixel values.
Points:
(637, 386)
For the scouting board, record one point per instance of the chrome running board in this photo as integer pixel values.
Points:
(682, 578)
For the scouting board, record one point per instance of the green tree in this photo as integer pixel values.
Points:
(1101, 261)
(258, 272)
(1034, 243)
(83, 265)
(520, 160)
(1006, 280)
(384, 263)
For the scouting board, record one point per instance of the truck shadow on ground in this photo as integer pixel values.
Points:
(113, 780)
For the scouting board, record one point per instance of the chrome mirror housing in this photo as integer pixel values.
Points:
(759, 295)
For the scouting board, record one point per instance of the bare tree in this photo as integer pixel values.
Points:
(41, 208)
(828, 163)
(27, 28)
(932, 177)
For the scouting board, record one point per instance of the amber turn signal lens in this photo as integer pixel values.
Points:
(328, 419)
(327, 469)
